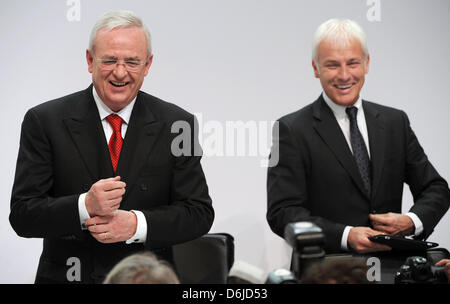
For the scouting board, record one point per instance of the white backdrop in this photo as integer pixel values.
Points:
(228, 60)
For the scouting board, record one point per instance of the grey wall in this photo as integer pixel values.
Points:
(227, 60)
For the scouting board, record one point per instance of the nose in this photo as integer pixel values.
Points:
(344, 74)
(120, 71)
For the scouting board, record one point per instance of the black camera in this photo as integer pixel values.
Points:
(307, 240)
(418, 270)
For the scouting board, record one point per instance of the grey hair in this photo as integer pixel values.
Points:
(340, 32)
(142, 268)
(117, 19)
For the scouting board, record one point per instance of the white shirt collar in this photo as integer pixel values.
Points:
(104, 111)
(338, 110)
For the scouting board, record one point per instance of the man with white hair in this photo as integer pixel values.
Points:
(96, 176)
(343, 160)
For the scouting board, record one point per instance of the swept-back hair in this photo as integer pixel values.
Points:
(118, 19)
(340, 32)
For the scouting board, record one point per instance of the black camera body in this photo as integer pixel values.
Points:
(418, 270)
(307, 240)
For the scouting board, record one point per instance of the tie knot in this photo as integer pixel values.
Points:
(351, 112)
(115, 121)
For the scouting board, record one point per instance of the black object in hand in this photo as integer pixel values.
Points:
(399, 243)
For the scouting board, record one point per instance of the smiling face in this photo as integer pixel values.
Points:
(118, 87)
(341, 71)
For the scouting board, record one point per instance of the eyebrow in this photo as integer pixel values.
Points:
(126, 59)
(331, 61)
(133, 58)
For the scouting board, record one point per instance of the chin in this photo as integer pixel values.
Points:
(118, 99)
(348, 103)
(345, 101)
(116, 105)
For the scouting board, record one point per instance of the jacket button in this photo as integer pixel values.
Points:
(86, 187)
(144, 187)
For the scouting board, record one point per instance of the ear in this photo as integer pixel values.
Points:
(316, 69)
(367, 64)
(148, 64)
(90, 61)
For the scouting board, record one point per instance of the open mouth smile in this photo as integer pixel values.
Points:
(118, 84)
(343, 87)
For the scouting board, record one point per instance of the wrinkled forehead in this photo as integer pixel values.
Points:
(130, 38)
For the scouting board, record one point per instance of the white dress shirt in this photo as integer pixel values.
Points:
(344, 123)
(141, 230)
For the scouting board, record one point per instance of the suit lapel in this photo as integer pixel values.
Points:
(140, 138)
(87, 133)
(329, 130)
(377, 140)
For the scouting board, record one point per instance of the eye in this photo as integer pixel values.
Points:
(132, 63)
(331, 65)
(109, 62)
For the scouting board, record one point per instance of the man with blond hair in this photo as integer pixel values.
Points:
(343, 160)
(96, 177)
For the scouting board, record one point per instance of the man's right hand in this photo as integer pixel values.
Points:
(105, 196)
(358, 240)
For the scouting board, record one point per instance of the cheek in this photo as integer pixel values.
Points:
(360, 74)
(361, 78)
(100, 75)
(139, 79)
(327, 75)
(326, 79)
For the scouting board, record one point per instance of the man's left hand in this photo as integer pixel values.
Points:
(117, 227)
(394, 224)
(446, 264)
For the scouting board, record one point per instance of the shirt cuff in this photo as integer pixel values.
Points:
(417, 223)
(141, 230)
(344, 244)
(82, 211)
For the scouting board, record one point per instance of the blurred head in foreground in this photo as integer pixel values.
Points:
(142, 268)
(337, 271)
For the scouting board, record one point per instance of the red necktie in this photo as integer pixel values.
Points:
(115, 142)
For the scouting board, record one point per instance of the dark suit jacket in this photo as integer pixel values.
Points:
(317, 179)
(63, 151)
